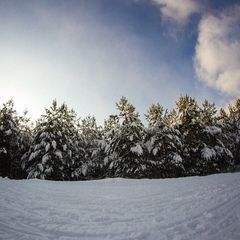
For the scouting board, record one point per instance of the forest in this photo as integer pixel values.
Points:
(189, 140)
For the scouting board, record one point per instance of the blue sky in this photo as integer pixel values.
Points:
(89, 53)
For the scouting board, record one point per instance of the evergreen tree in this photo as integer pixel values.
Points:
(54, 149)
(111, 127)
(230, 125)
(23, 142)
(8, 137)
(208, 113)
(190, 126)
(236, 126)
(93, 149)
(189, 141)
(215, 155)
(204, 152)
(155, 116)
(171, 119)
(126, 144)
(14, 140)
(163, 144)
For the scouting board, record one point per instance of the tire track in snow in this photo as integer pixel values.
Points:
(119, 209)
(212, 223)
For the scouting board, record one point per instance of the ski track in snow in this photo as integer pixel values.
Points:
(206, 208)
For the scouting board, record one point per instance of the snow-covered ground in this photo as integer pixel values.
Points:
(185, 208)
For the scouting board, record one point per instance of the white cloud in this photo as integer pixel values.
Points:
(78, 59)
(179, 11)
(217, 57)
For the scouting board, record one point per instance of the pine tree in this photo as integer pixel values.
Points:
(126, 144)
(204, 151)
(230, 125)
(236, 152)
(23, 142)
(215, 155)
(54, 148)
(93, 149)
(164, 144)
(8, 137)
(208, 113)
(14, 140)
(111, 127)
(190, 126)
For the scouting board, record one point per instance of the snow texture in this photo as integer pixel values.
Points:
(59, 154)
(177, 158)
(208, 153)
(40, 167)
(45, 158)
(34, 154)
(137, 149)
(196, 208)
(8, 132)
(212, 130)
(54, 144)
(155, 151)
(64, 147)
(47, 147)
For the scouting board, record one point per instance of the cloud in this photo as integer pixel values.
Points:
(217, 57)
(178, 11)
(75, 57)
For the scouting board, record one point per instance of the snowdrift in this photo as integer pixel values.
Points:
(184, 208)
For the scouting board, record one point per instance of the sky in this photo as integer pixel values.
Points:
(90, 53)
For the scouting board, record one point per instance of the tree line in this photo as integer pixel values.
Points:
(188, 140)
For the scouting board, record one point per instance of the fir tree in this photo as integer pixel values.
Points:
(93, 149)
(191, 140)
(111, 127)
(15, 136)
(204, 152)
(190, 126)
(208, 113)
(230, 125)
(23, 142)
(215, 155)
(54, 148)
(163, 144)
(8, 138)
(126, 144)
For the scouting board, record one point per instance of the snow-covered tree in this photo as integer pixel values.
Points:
(190, 126)
(164, 144)
(208, 113)
(8, 137)
(111, 126)
(204, 152)
(189, 140)
(15, 136)
(23, 142)
(235, 116)
(230, 125)
(125, 145)
(215, 156)
(93, 149)
(54, 149)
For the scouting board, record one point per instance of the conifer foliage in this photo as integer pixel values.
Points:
(15, 135)
(188, 140)
(126, 143)
(91, 147)
(163, 143)
(54, 150)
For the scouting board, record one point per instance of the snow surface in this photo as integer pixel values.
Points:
(173, 209)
